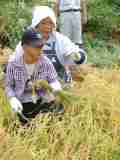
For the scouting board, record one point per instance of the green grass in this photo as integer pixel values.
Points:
(102, 53)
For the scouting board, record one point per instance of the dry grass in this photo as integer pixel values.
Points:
(89, 128)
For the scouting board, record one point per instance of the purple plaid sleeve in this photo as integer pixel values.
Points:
(9, 81)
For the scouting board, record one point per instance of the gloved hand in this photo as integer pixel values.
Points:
(75, 56)
(16, 105)
(42, 84)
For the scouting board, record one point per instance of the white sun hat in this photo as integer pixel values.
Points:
(40, 13)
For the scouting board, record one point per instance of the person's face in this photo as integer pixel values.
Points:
(31, 54)
(46, 26)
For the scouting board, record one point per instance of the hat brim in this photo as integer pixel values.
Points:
(36, 44)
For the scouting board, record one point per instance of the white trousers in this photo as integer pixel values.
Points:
(70, 24)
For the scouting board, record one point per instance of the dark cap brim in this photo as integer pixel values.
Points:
(36, 44)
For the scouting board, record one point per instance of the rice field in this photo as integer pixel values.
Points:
(89, 129)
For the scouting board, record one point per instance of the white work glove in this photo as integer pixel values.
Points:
(75, 56)
(56, 86)
(15, 105)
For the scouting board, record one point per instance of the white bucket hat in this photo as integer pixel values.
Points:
(40, 13)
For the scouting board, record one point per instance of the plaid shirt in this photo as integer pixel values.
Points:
(16, 77)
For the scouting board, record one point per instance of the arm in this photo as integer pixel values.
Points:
(10, 81)
(72, 53)
(51, 84)
(53, 78)
(15, 104)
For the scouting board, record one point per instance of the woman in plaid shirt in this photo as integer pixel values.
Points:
(22, 71)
